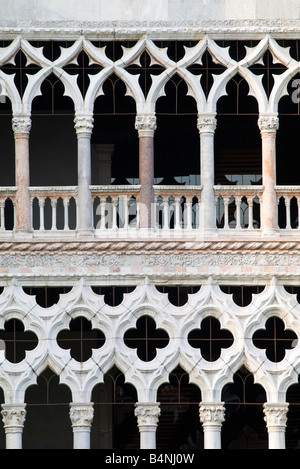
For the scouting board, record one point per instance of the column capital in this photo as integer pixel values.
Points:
(13, 416)
(147, 413)
(276, 414)
(212, 413)
(145, 124)
(206, 122)
(84, 123)
(21, 124)
(268, 123)
(81, 414)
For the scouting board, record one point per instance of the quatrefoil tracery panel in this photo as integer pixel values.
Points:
(145, 68)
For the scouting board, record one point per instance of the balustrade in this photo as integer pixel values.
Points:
(176, 209)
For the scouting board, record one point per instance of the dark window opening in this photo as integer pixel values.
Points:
(114, 423)
(242, 294)
(113, 295)
(46, 296)
(179, 426)
(178, 295)
(48, 424)
(244, 426)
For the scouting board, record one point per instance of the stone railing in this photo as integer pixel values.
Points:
(54, 208)
(175, 210)
(288, 198)
(238, 207)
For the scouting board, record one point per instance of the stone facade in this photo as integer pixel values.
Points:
(148, 236)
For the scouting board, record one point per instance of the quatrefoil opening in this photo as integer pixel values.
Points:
(146, 338)
(81, 339)
(275, 339)
(17, 340)
(210, 339)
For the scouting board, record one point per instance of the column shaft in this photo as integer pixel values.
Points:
(84, 126)
(21, 128)
(13, 416)
(276, 418)
(212, 417)
(146, 125)
(81, 416)
(268, 125)
(207, 126)
(147, 415)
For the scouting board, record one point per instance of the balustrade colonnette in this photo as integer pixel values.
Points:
(85, 209)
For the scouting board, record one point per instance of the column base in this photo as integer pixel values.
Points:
(86, 233)
(23, 234)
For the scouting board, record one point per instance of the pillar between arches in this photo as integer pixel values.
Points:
(268, 125)
(212, 415)
(13, 416)
(81, 415)
(145, 124)
(207, 124)
(276, 419)
(21, 125)
(84, 127)
(147, 416)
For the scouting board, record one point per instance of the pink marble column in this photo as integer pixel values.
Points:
(268, 125)
(146, 126)
(21, 127)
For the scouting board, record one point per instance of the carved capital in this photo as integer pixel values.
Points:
(206, 123)
(81, 415)
(147, 414)
(268, 123)
(13, 416)
(145, 124)
(84, 124)
(21, 124)
(212, 413)
(276, 414)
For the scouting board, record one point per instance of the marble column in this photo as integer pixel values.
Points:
(84, 128)
(276, 419)
(147, 416)
(81, 415)
(21, 126)
(146, 125)
(13, 416)
(207, 125)
(212, 417)
(268, 125)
